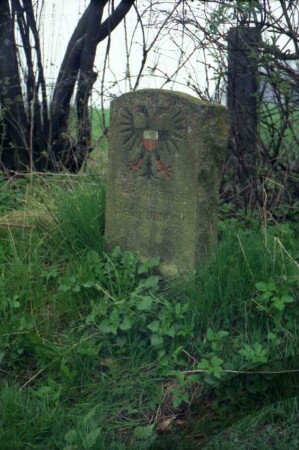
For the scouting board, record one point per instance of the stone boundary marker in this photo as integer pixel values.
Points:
(166, 151)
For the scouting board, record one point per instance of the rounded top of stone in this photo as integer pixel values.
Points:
(167, 92)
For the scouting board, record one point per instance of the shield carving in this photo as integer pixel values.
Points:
(150, 140)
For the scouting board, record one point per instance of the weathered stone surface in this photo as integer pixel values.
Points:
(166, 150)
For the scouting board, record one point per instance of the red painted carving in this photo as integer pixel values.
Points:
(136, 166)
(150, 144)
(163, 169)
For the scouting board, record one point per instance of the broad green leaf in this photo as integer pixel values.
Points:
(89, 350)
(170, 373)
(76, 288)
(204, 364)
(185, 397)
(149, 264)
(91, 438)
(261, 286)
(64, 288)
(169, 331)
(185, 307)
(176, 402)
(177, 309)
(271, 336)
(126, 324)
(266, 295)
(121, 341)
(156, 340)
(145, 304)
(150, 282)
(215, 361)
(287, 299)
(246, 352)
(154, 326)
(223, 334)
(180, 376)
(278, 304)
(217, 372)
(71, 436)
(144, 432)
(89, 415)
(88, 284)
(107, 327)
(194, 378)
(271, 285)
(210, 334)
(116, 252)
(114, 316)
(214, 345)
(90, 319)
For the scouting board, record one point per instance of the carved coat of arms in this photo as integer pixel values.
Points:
(151, 139)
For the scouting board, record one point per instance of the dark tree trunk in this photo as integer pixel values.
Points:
(61, 103)
(79, 59)
(14, 151)
(242, 102)
(30, 137)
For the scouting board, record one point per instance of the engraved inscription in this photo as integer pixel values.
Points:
(151, 139)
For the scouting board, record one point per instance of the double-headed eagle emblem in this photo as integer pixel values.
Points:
(151, 140)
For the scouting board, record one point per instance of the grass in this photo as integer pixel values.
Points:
(272, 124)
(98, 352)
(97, 160)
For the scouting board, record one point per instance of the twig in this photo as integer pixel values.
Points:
(244, 254)
(276, 239)
(12, 334)
(32, 378)
(15, 225)
(258, 372)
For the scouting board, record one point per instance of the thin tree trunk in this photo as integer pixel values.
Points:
(41, 111)
(86, 79)
(14, 122)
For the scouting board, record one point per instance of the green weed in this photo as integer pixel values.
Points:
(98, 351)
